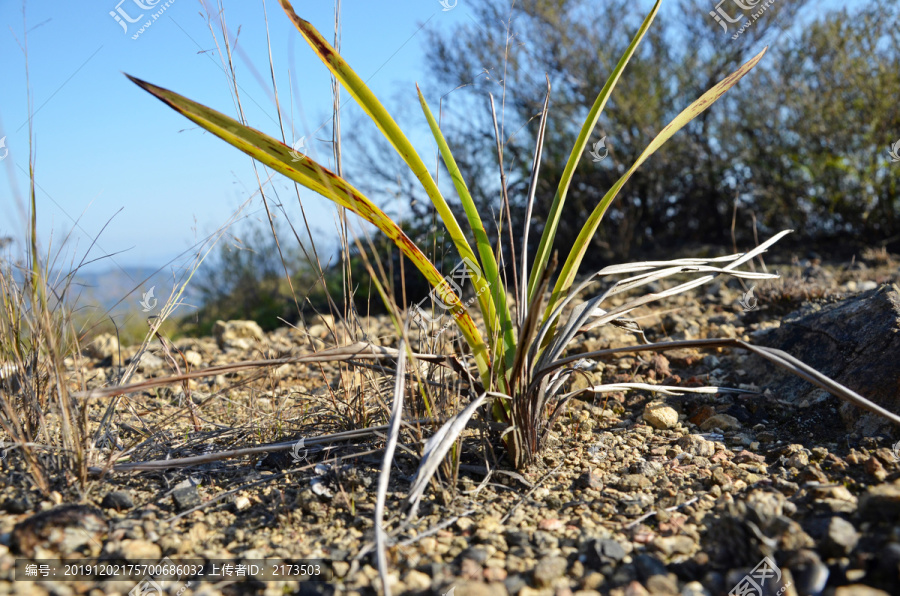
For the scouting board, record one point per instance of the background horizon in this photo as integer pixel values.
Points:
(111, 158)
(109, 153)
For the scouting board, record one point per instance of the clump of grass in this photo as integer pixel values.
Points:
(786, 293)
(58, 434)
(515, 355)
(505, 349)
(878, 257)
(44, 425)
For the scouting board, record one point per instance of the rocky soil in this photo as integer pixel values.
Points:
(636, 493)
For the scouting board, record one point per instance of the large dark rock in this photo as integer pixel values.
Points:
(855, 341)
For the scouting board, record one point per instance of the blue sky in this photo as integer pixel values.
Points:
(107, 150)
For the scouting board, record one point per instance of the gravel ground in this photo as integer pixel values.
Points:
(636, 493)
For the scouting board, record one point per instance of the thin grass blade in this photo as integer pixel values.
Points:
(504, 192)
(524, 351)
(310, 174)
(385, 475)
(529, 206)
(196, 460)
(437, 448)
(556, 210)
(356, 351)
(777, 357)
(493, 303)
(386, 124)
(664, 389)
(582, 242)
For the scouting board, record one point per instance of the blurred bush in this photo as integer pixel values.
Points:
(803, 142)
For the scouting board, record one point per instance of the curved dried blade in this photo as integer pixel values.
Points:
(385, 475)
(529, 205)
(356, 351)
(437, 448)
(664, 389)
(777, 357)
(582, 242)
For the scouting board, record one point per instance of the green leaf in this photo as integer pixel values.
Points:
(392, 132)
(573, 262)
(497, 297)
(310, 174)
(556, 210)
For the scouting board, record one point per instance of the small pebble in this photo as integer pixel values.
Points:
(548, 569)
(660, 416)
(722, 422)
(120, 500)
(186, 498)
(550, 525)
(464, 524)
